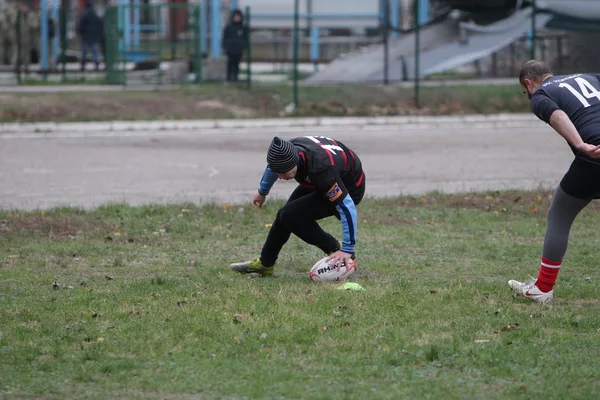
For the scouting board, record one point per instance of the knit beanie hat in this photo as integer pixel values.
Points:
(282, 156)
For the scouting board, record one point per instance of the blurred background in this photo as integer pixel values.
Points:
(128, 42)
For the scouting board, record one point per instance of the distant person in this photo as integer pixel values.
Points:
(571, 105)
(234, 44)
(16, 24)
(91, 31)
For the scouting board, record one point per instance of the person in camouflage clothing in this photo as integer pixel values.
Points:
(7, 34)
(18, 25)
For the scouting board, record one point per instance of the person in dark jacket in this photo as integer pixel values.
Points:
(91, 31)
(234, 44)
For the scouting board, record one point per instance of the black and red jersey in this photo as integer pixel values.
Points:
(324, 162)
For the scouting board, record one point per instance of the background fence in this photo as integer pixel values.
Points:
(157, 44)
(177, 44)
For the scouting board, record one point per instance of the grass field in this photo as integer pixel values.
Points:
(262, 101)
(125, 302)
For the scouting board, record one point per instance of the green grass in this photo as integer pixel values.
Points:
(261, 101)
(145, 305)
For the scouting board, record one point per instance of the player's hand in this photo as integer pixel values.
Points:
(258, 199)
(590, 150)
(340, 257)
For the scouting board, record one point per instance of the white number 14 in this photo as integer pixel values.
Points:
(586, 88)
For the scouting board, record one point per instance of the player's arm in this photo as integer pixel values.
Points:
(266, 183)
(547, 110)
(347, 211)
(336, 192)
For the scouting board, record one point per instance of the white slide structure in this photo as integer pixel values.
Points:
(444, 45)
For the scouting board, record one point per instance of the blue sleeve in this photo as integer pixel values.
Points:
(267, 181)
(347, 211)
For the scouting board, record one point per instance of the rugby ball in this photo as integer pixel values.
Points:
(327, 271)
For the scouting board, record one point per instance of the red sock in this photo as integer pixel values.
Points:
(548, 274)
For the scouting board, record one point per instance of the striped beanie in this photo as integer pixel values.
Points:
(282, 156)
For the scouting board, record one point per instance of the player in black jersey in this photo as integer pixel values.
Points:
(571, 105)
(331, 183)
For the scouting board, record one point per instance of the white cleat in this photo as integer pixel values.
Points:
(531, 291)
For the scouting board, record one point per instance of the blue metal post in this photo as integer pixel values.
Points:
(395, 11)
(314, 47)
(203, 26)
(121, 21)
(44, 35)
(126, 23)
(164, 14)
(56, 38)
(233, 4)
(136, 23)
(423, 11)
(215, 31)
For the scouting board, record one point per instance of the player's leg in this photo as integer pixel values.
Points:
(300, 218)
(236, 67)
(94, 48)
(84, 49)
(277, 237)
(229, 67)
(573, 194)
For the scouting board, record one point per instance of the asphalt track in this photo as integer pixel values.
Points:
(88, 169)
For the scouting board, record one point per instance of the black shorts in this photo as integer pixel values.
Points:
(582, 180)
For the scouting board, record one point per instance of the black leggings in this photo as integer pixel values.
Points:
(299, 216)
(233, 66)
(579, 186)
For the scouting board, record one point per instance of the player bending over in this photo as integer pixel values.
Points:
(571, 105)
(331, 183)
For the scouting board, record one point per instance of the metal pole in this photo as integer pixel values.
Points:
(127, 24)
(395, 17)
(309, 11)
(19, 43)
(296, 50)
(417, 55)
(314, 47)
(559, 50)
(55, 39)
(63, 41)
(172, 10)
(136, 23)
(203, 26)
(215, 28)
(248, 48)
(423, 11)
(386, 34)
(198, 42)
(533, 29)
(43, 38)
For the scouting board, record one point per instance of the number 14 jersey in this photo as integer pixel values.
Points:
(578, 95)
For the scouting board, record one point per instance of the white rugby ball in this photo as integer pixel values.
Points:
(327, 271)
